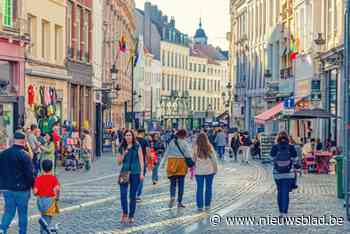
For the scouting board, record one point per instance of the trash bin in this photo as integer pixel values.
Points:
(339, 168)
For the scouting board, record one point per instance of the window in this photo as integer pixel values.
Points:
(168, 83)
(32, 33)
(190, 84)
(194, 103)
(7, 13)
(176, 57)
(195, 67)
(168, 59)
(203, 85)
(163, 81)
(78, 36)
(58, 43)
(199, 103)
(86, 36)
(45, 39)
(163, 58)
(69, 28)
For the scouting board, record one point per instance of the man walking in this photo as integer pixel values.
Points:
(16, 180)
(34, 144)
(220, 142)
(145, 151)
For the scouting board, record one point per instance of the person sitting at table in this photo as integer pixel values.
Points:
(319, 145)
(309, 148)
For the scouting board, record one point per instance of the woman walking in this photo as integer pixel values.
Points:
(48, 151)
(157, 150)
(175, 155)
(206, 168)
(285, 161)
(130, 158)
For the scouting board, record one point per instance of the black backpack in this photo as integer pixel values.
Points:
(283, 161)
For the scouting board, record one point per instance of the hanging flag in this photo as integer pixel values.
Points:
(122, 44)
(139, 53)
(293, 48)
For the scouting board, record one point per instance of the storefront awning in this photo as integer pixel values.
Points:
(269, 114)
(312, 114)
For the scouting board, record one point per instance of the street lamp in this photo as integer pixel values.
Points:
(114, 72)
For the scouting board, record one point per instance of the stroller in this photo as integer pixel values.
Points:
(72, 160)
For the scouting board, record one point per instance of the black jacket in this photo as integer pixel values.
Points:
(16, 170)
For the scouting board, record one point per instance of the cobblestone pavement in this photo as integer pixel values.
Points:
(90, 203)
(316, 197)
(101, 215)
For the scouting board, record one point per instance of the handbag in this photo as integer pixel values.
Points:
(124, 176)
(189, 162)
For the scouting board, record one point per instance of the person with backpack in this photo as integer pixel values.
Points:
(285, 161)
(178, 157)
(205, 170)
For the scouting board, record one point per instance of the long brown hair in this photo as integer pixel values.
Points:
(204, 148)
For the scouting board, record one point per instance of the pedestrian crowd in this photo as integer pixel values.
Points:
(30, 165)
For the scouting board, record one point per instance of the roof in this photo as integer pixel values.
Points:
(207, 51)
(200, 34)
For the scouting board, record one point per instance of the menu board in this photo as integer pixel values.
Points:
(267, 141)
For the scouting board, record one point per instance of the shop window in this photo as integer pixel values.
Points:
(5, 75)
(6, 125)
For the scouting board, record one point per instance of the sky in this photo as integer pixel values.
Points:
(214, 13)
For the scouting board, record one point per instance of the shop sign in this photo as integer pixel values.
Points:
(302, 88)
(315, 90)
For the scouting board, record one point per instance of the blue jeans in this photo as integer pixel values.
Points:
(283, 188)
(180, 181)
(208, 179)
(16, 201)
(140, 187)
(155, 172)
(134, 184)
(221, 151)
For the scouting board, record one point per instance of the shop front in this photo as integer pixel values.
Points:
(11, 90)
(46, 100)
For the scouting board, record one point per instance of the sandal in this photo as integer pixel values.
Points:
(123, 218)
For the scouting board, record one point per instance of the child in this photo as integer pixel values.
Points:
(47, 188)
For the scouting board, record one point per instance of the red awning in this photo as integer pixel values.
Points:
(269, 114)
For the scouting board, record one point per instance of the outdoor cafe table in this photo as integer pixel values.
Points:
(322, 159)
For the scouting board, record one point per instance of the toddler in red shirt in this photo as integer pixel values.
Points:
(47, 188)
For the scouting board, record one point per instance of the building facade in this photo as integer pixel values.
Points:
(13, 40)
(119, 25)
(283, 49)
(45, 70)
(79, 22)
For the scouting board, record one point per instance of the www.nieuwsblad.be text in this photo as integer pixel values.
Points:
(325, 220)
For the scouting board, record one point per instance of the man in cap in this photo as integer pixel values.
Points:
(16, 180)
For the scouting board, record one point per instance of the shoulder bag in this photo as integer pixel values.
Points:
(124, 176)
(189, 162)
